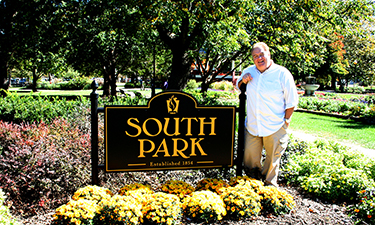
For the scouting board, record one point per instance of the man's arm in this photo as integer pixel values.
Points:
(288, 114)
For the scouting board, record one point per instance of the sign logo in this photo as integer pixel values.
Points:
(172, 105)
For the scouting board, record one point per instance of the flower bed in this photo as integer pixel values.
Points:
(247, 199)
(356, 107)
(330, 171)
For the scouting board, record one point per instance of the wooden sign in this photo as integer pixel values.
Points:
(171, 132)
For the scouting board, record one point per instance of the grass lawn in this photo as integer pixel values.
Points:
(336, 129)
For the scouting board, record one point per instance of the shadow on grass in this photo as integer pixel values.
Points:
(342, 123)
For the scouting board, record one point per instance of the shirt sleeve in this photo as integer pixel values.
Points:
(290, 91)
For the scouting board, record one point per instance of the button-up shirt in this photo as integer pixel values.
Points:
(268, 94)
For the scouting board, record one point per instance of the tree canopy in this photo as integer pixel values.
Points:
(331, 39)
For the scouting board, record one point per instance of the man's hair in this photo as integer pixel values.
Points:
(261, 45)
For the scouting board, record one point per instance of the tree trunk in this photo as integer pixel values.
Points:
(333, 82)
(3, 75)
(35, 79)
(180, 70)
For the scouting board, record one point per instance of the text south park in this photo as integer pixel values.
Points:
(206, 126)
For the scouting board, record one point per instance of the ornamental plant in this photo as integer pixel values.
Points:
(276, 201)
(5, 216)
(364, 210)
(162, 208)
(241, 201)
(131, 187)
(211, 184)
(76, 212)
(179, 188)
(142, 194)
(204, 206)
(92, 192)
(249, 181)
(326, 173)
(42, 164)
(120, 210)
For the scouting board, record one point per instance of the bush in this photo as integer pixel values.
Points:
(222, 85)
(162, 208)
(42, 164)
(241, 201)
(5, 216)
(30, 108)
(364, 210)
(192, 84)
(82, 211)
(204, 206)
(179, 188)
(322, 171)
(211, 184)
(79, 83)
(275, 201)
(120, 210)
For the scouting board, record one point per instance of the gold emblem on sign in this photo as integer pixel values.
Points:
(172, 105)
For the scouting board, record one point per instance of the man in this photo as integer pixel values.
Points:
(271, 99)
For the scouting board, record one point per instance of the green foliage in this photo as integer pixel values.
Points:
(364, 210)
(222, 85)
(328, 172)
(192, 84)
(5, 216)
(357, 108)
(79, 83)
(31, 108)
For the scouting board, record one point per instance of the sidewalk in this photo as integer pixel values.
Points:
(311, 138)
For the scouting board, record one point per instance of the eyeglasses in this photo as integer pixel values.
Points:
(258, 56)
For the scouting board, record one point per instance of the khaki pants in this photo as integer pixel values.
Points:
(275, 145)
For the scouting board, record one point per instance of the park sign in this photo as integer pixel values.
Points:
(171, 132)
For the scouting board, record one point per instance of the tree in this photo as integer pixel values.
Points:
(102, 38)
(25, 31)
(183, 27)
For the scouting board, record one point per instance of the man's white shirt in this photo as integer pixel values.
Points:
(269, 94)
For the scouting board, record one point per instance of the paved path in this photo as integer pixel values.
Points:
(311, 138)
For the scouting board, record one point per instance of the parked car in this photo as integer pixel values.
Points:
(15, 81)
(22, 82)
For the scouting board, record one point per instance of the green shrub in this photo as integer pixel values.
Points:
(129, 85)
(31, 108)
(222, 85)
(364, 210)
(79, 83)
(192, 84)
(325, 172)
(5, 216)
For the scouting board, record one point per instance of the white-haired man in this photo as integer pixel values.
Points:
(271, 99)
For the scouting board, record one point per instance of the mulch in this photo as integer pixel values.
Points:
(308, 210)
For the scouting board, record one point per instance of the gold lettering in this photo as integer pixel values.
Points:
(177, 151)
(165, 149)
(189, 124)
(142, 147)
(193, 144)
(202, 123)
(176, 127)
(145, 128)
(135, 126)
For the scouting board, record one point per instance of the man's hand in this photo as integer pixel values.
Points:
(247, 78)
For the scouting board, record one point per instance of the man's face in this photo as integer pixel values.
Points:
(262, 59)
